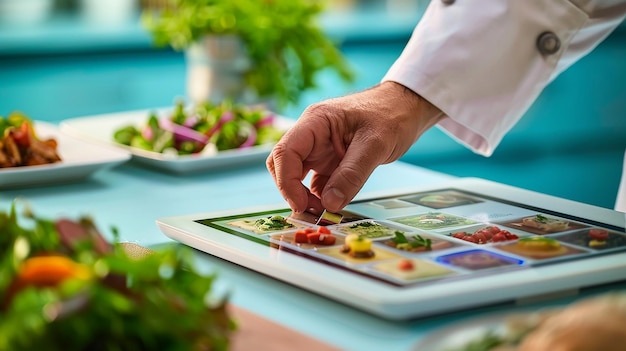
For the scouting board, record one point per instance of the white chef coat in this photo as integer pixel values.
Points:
(484, 63)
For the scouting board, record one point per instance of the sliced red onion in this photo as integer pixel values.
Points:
(251, 138)
(191, 121)
(268, 120)
(146, 133)
(227, 116)
(183, 133)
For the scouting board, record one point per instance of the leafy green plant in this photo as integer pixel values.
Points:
(63, 287)
(284, 43)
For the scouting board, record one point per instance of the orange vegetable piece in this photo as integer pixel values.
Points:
(314, 238)
(598, 234)
(321, 239)
(301, 237)
(323, 230)
(327, 239)
(406, 265)
(50, 271)
(22, 135)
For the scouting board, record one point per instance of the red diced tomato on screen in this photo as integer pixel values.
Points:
(314, 238)
(327, 239)
(301, 237)
(323, 230)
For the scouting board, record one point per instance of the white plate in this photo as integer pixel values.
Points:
(79, 160)
(100, 129)
(458, 336)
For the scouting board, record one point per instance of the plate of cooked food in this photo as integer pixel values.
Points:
(187, 138)
(34, 153)
(592, 323)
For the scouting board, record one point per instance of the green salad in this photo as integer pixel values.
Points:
(64, 287)
(204, 128)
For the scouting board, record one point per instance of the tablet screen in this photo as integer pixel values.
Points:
(418, 238)
(422, 251)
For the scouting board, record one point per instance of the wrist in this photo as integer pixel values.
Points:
(413, 106)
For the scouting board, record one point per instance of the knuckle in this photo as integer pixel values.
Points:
(278, 151)
(324, 109)
(353, 175)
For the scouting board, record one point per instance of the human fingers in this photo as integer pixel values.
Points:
(385, 121)
(314, 204)
(285, 164)
(363, 155)
(343, 140)
(306, 146)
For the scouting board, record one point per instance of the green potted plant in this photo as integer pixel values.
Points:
(249, 50)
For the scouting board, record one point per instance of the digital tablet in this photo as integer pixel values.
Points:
(422, 251)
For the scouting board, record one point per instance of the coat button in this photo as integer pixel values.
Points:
(447, 2)
(548, 43)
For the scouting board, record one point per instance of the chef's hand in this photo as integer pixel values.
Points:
(343, 140)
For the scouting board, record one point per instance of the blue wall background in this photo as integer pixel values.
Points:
(570, 143)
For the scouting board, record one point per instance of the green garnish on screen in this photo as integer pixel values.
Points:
(416, 241)
(275, 222)
(363, 225)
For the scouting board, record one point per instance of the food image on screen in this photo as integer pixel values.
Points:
(478, 259)
(542, 224)
(418, 243)
(412, 269)
(392, 204)
(308, 238)
(385, 241)
(317, 219)
(357, 250)
(264, 225)
(441, 199)
(595, 238)
(539, 247)
(433, 220)
(485, 235)
(329, 218)
(358, 246)
(546, 224)
(369, 229)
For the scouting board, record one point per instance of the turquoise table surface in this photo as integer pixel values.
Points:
(131, 198)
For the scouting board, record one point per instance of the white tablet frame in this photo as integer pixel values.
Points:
(395, 303)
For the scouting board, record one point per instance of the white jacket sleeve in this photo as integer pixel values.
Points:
(483, 63)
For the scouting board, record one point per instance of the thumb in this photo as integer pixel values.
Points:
(360, 160)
